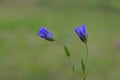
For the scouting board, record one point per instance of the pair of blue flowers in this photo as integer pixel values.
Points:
(83, 35)
(80, 31)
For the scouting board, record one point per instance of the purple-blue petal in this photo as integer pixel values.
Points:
(81, 32)
(76, 30)
(44, 33)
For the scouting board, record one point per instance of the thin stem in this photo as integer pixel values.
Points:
(71, 62)
(86, 54)
(84, 78)
(86, 58)
(72, 67)
(57, 40)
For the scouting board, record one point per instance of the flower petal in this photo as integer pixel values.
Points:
(44, 33)
(81, 32)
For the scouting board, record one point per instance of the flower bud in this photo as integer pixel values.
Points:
(82, 33)
(45, 34)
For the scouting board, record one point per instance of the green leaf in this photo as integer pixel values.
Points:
(66, 51)
(83, 66)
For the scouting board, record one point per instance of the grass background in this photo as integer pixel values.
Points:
(25, 56)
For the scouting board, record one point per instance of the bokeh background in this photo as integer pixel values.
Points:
(25, 56)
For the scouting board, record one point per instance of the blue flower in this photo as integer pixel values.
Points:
(81, 32)
(45, 34)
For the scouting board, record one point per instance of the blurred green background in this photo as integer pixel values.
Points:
(25, 56)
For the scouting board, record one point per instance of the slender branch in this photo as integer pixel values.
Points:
(71, 62)
(86, 54)
(73, 68)
(84, 77)
(57, 40)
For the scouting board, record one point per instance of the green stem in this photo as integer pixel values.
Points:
(71, 62)
(72, 67)
(84, 77)
(57, 40)
(86, 54)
